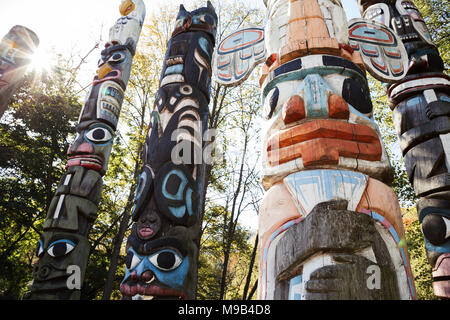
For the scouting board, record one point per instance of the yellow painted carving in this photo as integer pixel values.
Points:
(126, 7)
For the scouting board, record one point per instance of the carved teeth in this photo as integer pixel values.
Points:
(174, 61)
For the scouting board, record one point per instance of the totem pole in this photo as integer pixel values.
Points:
(64, 248)
(16, 49)
(330, 225)
(421, 108)
(162, 249)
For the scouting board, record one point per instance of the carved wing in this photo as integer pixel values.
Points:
(382, 51)
(238, 54)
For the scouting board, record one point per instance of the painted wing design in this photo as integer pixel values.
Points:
(238, 54)
(382, 51)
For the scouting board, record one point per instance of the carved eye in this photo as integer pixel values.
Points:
(117, 57)
(165, 260)
(132, 260)
(186, 89)
(40, 248)
(99, 135)
(60, 248)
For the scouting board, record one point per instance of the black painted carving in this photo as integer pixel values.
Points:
(162, 249)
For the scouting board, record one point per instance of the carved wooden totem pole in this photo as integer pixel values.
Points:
(16, 49)
(330, 224)
(162, 250)
(64, 248)
(421, 108)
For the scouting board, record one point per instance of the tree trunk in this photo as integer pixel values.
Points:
(250, 270)
(118, 240)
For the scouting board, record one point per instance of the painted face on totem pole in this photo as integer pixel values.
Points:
(190, 50)
(57, 251)
(92, 146)
(333, 92)
(114, 64)
(158, 268)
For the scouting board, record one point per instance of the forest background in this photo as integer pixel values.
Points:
(40, 124)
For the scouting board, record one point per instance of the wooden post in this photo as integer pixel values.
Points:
(421, 107)
(162, 250)
(16, 49)
(64, 248)
(330, 225)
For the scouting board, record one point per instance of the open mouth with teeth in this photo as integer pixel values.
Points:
(93, 162)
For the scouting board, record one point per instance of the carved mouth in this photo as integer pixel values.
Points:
(151, 291)
(174, 61)
(93, 162)
(323, 142)
(146, 232)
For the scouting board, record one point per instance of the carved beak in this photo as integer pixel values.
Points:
(126, 7)
(103, 71)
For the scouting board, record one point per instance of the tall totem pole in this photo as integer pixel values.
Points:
(330, 225)
(162, 249)
(64, 248)
(421, 108)
(16, 49)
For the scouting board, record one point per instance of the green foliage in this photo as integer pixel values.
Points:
(436, 14)
(34, 137)
(418, 257)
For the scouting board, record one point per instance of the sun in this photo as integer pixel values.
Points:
(41, 60)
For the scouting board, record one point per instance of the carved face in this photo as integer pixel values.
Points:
(406, 7)
(92, 146)
(333, 92)
(147, 226)
(56, 252)
(193, 42)
(202, 19)
(195, 48)
(114, 64)
(160, 268)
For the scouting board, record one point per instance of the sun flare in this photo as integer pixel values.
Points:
(41, 60)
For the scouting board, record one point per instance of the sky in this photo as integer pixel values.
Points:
(74, 27)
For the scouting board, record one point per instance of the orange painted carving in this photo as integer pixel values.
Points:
(293, 110)
(322, 142)
(337, 107)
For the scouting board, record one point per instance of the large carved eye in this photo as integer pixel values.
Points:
(60, 248)
(132, 260)
(99, 135)
(166, 260)
(117, 57)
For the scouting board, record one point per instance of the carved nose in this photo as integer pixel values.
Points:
(134, 276)
(82, 148)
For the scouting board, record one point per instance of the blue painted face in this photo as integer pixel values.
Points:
(168, 265)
